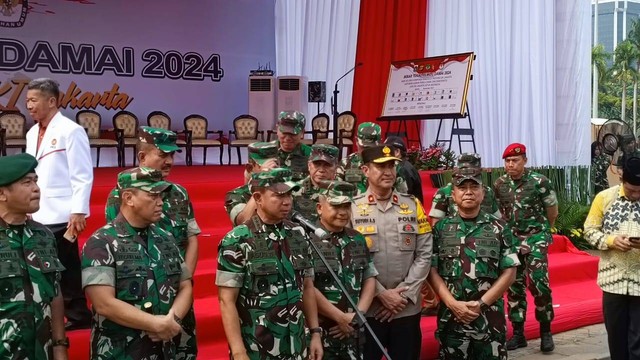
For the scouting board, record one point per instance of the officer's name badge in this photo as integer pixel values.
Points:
(364, 209)
(404, 209)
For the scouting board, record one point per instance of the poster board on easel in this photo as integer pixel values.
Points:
(429, 88)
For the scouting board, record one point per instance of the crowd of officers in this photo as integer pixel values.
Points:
(278, 299)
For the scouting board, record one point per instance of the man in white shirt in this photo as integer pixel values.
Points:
(65, 177)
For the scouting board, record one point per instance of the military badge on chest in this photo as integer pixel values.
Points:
(363, 209)
(404, 209)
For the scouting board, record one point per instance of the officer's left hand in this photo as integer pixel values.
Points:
(315, 348)
(78, 222)
(384, 314)
(343, 329)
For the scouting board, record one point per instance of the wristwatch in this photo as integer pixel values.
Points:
(177, 319)
(62, 342)
(483, 305)
(316, 330)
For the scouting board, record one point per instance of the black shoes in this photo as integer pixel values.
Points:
(76, 325)
(517, 340)
(546, 342)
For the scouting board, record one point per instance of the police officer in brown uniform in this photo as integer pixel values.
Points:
(398, 236)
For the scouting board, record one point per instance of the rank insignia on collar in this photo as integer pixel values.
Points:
(371, 199)
(364, 209)
(404, 209)
(395, 198)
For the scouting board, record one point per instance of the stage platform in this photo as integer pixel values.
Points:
(577, 298)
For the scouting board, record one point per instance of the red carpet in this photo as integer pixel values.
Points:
(577, 298)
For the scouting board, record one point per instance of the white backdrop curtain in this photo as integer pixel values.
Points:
(531, 75)
(317, 39)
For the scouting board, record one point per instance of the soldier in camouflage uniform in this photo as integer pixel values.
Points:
(600, 163)
(474, 262)
(398, 236)
(292, 153)
(135, 277)
(155, 149)
(32, 320)
(265, 278)
(443, 206)
(350, 169)
(530, 207)
(347, 254)
(322, 167)
(238, 202)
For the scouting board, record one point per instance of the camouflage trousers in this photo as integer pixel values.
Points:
(346, 349)
(532, 273)
(483, 339)
(186, 346)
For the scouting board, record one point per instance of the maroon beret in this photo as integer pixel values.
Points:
(514, 149)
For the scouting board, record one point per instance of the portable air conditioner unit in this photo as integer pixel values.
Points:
(262, 100)
(292, 94)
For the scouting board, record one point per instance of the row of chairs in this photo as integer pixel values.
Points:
(196, 133)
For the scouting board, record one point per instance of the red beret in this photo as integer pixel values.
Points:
(514, 149)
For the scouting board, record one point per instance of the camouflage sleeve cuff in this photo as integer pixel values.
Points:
(229, 279)
(233, 214)
(186, 273)
(509, 261)
(98, 275)
(371, 271)
(436, 213)
(498, 214)
(308, 272)
(193, 228)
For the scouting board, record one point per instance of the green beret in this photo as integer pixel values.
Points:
(291, 122)
(15, 167)
(262, 151)
(324, 152)
(369, 134)
(143, 178)
(165, 140)
(339, 192)
(277, 180)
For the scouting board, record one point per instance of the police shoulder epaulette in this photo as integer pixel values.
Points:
(358, 197)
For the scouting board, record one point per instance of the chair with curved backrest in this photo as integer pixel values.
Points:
(161, 120)
(126, 125)
(196, 128)
(91, 121)
(320, 128)
(346, 125)
(245, 130)
(14, 131)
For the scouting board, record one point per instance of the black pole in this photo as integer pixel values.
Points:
(335, 105)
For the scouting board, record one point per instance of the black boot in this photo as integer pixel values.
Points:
(546, 340)
(517, 340)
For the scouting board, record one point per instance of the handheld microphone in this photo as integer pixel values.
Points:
(319, 232)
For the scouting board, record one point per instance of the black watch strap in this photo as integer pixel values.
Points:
(62, 342)
(483, 305)
(315, 330)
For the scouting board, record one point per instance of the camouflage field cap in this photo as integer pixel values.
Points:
(262, 151)
(369, 134)
(291, 122)
(143, 178)
(378, 154)
(277, 180)
(339, 192)
(15, 167)
(461, 174)
(165, 140)
(469, 160)
(324, 152)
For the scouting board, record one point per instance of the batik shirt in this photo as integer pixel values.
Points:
(29, 280)
(268, 263)
(142, 265)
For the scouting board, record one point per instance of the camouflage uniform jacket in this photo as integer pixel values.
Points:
(177, 214)
(599, 167)
(268, 263)
(470, 256)
(398, 236)
(348, 256)
(350, 171)
(306, 198)
(29, 280)
(523, 205)
(296, 160)
(235, 200)
(443, 205)
(142, 266)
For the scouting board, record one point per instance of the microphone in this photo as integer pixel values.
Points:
(319, 232)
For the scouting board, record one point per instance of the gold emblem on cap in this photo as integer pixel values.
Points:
(386, 151)
(517, 150)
